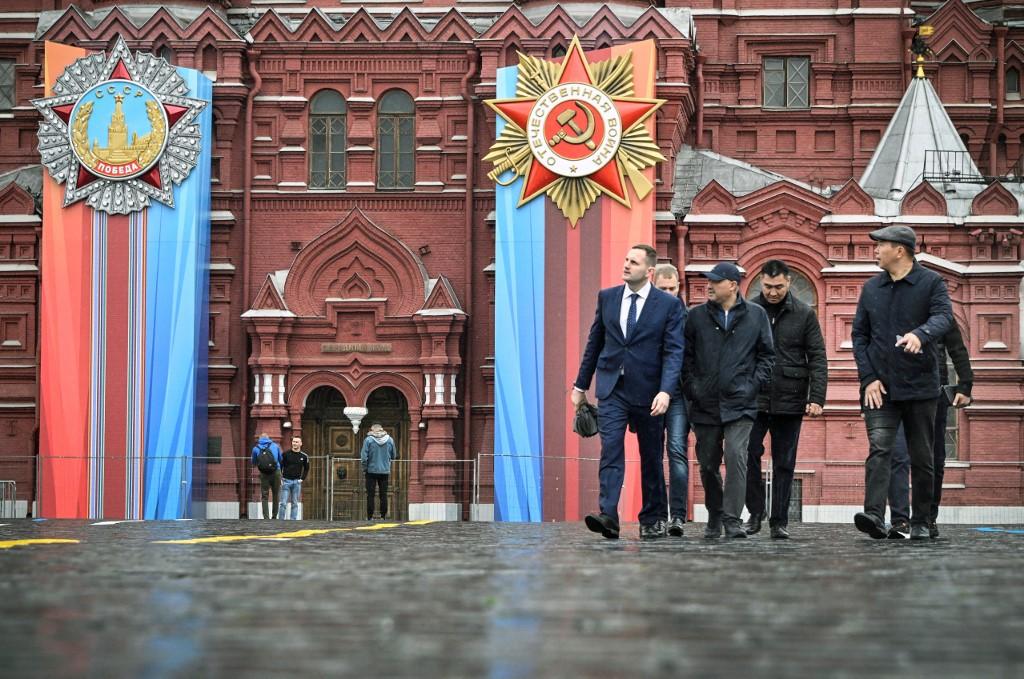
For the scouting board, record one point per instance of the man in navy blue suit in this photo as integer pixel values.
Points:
(636, 347)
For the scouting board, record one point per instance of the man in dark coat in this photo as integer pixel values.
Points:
(901, 314)
(797, 389)
(728, 358)
(635, 347)
(899, 484)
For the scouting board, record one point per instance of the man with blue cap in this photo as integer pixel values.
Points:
(728, 357)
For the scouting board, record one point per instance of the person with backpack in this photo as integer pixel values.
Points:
(266, 457)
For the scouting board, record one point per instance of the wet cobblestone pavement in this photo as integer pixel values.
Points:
(502, 601)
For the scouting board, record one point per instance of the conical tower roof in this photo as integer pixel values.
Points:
(920, 124)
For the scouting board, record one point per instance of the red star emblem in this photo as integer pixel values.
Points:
(574, 69)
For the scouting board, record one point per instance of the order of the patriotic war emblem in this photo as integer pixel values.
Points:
(119, 131)
(574, 131)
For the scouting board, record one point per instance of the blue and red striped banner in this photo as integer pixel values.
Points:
(547, 278)
(123, 331)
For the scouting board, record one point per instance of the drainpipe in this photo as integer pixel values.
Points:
(257, 83)
(699, 134)
(1000, 32)
(467, 387)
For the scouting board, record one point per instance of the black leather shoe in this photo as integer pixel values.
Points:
(753, 524)
(780, 533)
(900, 530)
(919, 531)
(713, 530)
(868, 524)
(734, 529)
(603, 524)
(933, 530)
(652, 531)
(675, 527)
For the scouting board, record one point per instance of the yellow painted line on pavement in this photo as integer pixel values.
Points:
(378, 526)
(7, 544)
(283, 537)
(239, 538)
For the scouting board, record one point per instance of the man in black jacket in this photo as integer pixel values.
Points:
(901, 314)
(294, 468)
(797, 389)
(899, 484)
(728, 358)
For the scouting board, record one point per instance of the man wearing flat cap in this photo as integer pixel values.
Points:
(901, 315)
(728, 357)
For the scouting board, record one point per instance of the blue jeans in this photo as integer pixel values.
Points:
(677, 426)
(290, 489)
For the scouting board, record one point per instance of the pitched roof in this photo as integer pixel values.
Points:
(919, 125)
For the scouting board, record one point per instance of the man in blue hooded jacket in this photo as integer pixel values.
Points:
(269, 469)
(376, 456)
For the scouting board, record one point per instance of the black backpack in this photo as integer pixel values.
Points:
(265, 460)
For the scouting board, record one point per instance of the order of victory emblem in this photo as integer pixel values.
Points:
(119, 131)
(575, 131)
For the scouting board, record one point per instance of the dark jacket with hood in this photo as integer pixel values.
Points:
(727, 359)
(801, 367)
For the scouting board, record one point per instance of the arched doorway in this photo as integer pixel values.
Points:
(328, 439)
(388, 406)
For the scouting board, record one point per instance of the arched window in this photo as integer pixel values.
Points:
(1012, 83)
(801, 288)
(327, 141)
(396, 139)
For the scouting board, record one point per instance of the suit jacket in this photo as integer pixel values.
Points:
(649, 361)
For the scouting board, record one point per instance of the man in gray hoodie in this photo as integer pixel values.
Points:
(376, 456)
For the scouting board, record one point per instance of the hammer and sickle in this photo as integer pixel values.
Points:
(582, 136)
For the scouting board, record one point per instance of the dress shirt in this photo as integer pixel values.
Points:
(624, 307)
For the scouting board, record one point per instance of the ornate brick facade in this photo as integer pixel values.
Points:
(363, 289)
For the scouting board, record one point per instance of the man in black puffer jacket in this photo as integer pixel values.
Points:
(728, 358)
(797, 389)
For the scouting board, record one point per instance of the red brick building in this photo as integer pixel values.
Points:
(352, 258)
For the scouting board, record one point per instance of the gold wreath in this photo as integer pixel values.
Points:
(80, 135)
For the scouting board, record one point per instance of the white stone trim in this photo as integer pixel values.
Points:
(843, 514)
(481, 512)
(435, 511)
(714, 219)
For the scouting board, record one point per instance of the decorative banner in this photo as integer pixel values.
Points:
(574, 131)
(124, 310)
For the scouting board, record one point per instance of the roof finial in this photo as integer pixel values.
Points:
(920, 66)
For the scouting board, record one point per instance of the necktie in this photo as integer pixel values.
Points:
(631, 316)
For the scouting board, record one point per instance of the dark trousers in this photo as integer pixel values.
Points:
(614, 414)
(376, 482)
(899, 483)
(918, 419)
(785, 431)
(271, 482)
(713, 442)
